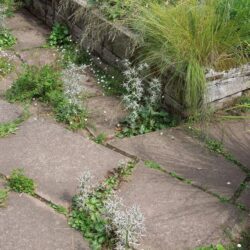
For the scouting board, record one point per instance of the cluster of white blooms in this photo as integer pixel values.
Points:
(73, 78)
(7, 54)
(85, 188)
(127, 224)
(134, 89)
(2, 15)
(139, 93)
(154, 92)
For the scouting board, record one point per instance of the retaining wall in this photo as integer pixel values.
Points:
(113, 44)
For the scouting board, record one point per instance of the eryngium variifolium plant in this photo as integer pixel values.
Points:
(127, 224)
(85, 188)
(142, 98)
(2, 15)
(139, 92)
(101, 214)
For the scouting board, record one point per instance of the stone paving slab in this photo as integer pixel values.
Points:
(39, 56)
(177, 152)
(105, 113)
(177, 215)
(235, 135)
(9, 112)
(55, 158)
(28, 224)
(245, 197)
(29, 32)
(22, 20)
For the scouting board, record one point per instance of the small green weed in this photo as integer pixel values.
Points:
(154, 165)
(59, 36)
(218, 147)
(178, 177)
(8, 128)
(20, 183)
(217, 247)
(11, 127)
(35, 83)
(60, 209)
(242, 243)
(7, 40)
(5, 67)
(3, 197)
(90, 220)
(215, 146)
(101, 138)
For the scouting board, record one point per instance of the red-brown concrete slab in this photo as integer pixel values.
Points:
(9, 112)
(177, 152)
(29, 32)
(105, 113)
(235, 135)
(55, 158)
(177, 215)
(28, 224)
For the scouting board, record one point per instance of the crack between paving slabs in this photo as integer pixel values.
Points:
(227, 155)
(53, 205)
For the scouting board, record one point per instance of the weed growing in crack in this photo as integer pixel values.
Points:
(89, 214)
(3, 197)
(154, 165)
(126, 224)
(178, 177)
(101, 138)
(8, 128)
(45, 84)
(58, 208)
(217, 147)
(11, 127)
(20, 183)
(242, 243)
(59, 36)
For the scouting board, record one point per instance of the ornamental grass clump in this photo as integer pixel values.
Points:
(183, 41)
